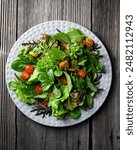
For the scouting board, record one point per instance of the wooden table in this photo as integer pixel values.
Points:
(101, 131)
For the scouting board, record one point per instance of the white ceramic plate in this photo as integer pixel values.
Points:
(34, 33)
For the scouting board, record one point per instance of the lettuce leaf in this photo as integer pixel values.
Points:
(22, 92)
(54, 57)
(75, 35)
(46, 79)
(62, 37)
(57, 103)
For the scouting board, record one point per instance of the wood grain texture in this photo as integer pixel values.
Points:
(7, 108)
(31, 13)
(105, 124)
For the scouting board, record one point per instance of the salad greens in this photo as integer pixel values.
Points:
(59, 74)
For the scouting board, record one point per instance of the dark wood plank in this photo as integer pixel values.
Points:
(31, 135)
(105, 124)
(7, 108)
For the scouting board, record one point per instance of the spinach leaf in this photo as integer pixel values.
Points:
(56, 55)
(22, 52)
(18, 65)
(88, 101)
(80, 84)
(76, 113)
(62, 37)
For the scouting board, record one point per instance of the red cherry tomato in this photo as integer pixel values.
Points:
(38, 89)
(25, 75)
(29, 68)
(63, 80)
(81, 73)
(44, 102)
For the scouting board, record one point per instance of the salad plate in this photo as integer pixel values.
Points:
(52, 28)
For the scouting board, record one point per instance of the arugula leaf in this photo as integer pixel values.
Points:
(39, 48)
(82, 60)
(61, 36)
(75, 35)
(90, 85)
(51, 41)
(93, 63)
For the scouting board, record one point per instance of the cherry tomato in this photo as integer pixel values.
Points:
(33, 54)
(29, 68)
(44, 102)
(25, 75)
(81, 73)
(63, 65)
(38, 89)
(89, 42)
(63, 80)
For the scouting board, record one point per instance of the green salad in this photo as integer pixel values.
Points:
(58, 74)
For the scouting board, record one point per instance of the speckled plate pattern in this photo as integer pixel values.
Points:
(34, 33)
